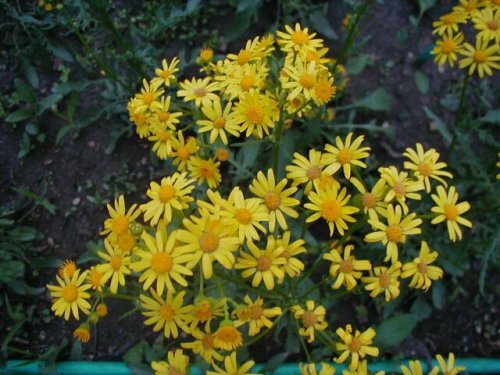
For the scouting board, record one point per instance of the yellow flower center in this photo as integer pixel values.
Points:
(126, 242)
(163, 116)
(70, 293)
(355, 345)
(347, 266)
(95, 278)
(243, 215)
(68, 268)
(228, 334)
(208, 342)
(323, 90)
(344, 156)
(384, 280)
(448, 46)
(255, 114)
(369, 200)
(209, 242)
(449, 19)
(183, 153)
(120, 224)
(101, 309)
(243, 57)
(116, 262)
(394, 233)
(148, 98)
(219, 123)
(200, 92)
(263, 263)
(163, 135)
(307, 80)
(425, 169)
(167, 312)
(313, 173)
(161, 263)
(206, 170)
(422, 267)
(309, 319)
(175, 371)
(166, 193)
(206, 54)
(399, 188)
(256, 312)
(479, 57)
(450, 211)
(272, 200)
(139, 119)
(222, 154)
(285, 254)
(203, 312)
(312, 56)
(165, 74)
(299, 37)
(493, 25)
(247, 82)
(331, 210)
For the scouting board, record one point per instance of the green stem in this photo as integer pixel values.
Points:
(119, 296)
(200, 291)
(458, 115)
(302, 342)
(277, 140)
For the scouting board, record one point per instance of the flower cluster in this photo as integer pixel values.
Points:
(481, 55)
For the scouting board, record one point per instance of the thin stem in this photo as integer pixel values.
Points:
(200, 291)
(458, 115)
(119, 296)
(277, 140)
(302, 342)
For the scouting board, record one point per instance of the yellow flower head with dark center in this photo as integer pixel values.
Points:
(257, 317)
(177, 364)
(82, 333)
(182, 150)
(425, 165)
(255, 112)
(414, 368)
(483, 58)
(204, 345)
(201, 91)
(447, 209)
(396, 230)
(205, 170)
(449, 23)
(310, 369)
(420, 270)
(357, 345)
(120, 219)
(345, 154)
(446, 49)
(306, 170)
(330, 204)
(447, 368)
(166, 313)
(400, 186)
(173, 193)
(276, 198)
(297, 39)
(487, 22)
(115, 268)
(219, 122)
(310, 318)
(210, 239)
(345, 268)
(68, 267)
(373, 200)
(293, 266)
(166, 74)
(204, 310)
(231, 367)
(263, 265)
(384, 280)
(227, 336)
(70, 296)
(162, 262)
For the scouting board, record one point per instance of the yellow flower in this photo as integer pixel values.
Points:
(70, 295)
(331, 205)
(231, 367)
(95, 278)
(255, 315)
(357, 346)
(346, 269)
(248, 54)
(203, 310)
(172, 194)
(373, 201)
(362, 369)
(255, 112)
(449, 23)
(119, 221)
(487, 22)
(293, 266)
(206, 54)
(210, 239)
(264, 265)
(310, 369)
(219, 122)
(101, 309)
(345, 154)
(484, 57)
(306, 170)
(161, 262)
(164, 140)
(204, 345)
(140, 119)
(167, 314)
(385, 280)
(415, 368)
(469, 7)
(205, 170)
(446, 49)
(163, 116)
(147, 99)
(116, 267)
(199, 90)
(276, 198)
(311, 318)
(222, 154)
(241, 79)
(425, 165)
(166, 74)
(177, 364)
(394, 232)
(297, 39)
(182, 151)
(401, 186)
(420, 269)
(82, 333)
(68, 267)
(301, 79)
(447, 368)
(324, 90)
(227, 337)
(448, 209)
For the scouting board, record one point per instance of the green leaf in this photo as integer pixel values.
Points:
(62, 132)
(10, 270)
(378, 100)
(48, 102)
(239, 24)
(31, 129)
(135, 354)
(24, 146)
(24, 91)
(422, 81)
(356, 65)
(491, 117)
(245, 5)
(30, 72)
(421, 308)
(322, 25)
(37, 199)
(438, 294)
(394, 330)
(275, 361)
(425, 5)
(19, 115)
(441, 127)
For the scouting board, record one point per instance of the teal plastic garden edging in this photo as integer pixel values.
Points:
(473, 365)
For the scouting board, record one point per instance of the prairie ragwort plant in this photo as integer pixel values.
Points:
(217, 266)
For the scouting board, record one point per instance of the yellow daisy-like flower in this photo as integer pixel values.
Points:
(205, 170)
(248, 54)
(203, 310)
(293, 266)
(204, 345)
(177, 364)
(227, 337)
(346, 269)
(166, 74)
(395, 231)
(401, 186)
(446, 49)
(120, 219)
(162, 262)
(264, 265)
(469, 7)
(82, 333)
(384, 280)
(231, 367)
(373, 201)
(219, 122)
(164, 140)
(306, 170)
(116, 267)
(276, 198)
(147, 99)
(182, 150)
(345, 154)
(362, 369)
(324, 90)
(301, 79)
(448, 23)
(201, 91)
(297, 39)
(331, 205)
(318, 56)
(356, 346)
(426, 166)
(210, 239)
(255, 315)
(447, 368)
(448, 209)
(140, 119)
(310, 369)
(164, 116)
(255, 112)
(242, 79)
(415, 368)
(487, 22)
(484, 57)
(222, 154)
(171, 194)
(167, 314)
(95, 278)
(70, 296)
(101, 309)
(311, 318)
(420, 269)
(206, 54)
(68, 267)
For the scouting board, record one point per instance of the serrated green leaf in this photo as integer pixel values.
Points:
(378, 100)
(394, 330)
(422, 81)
